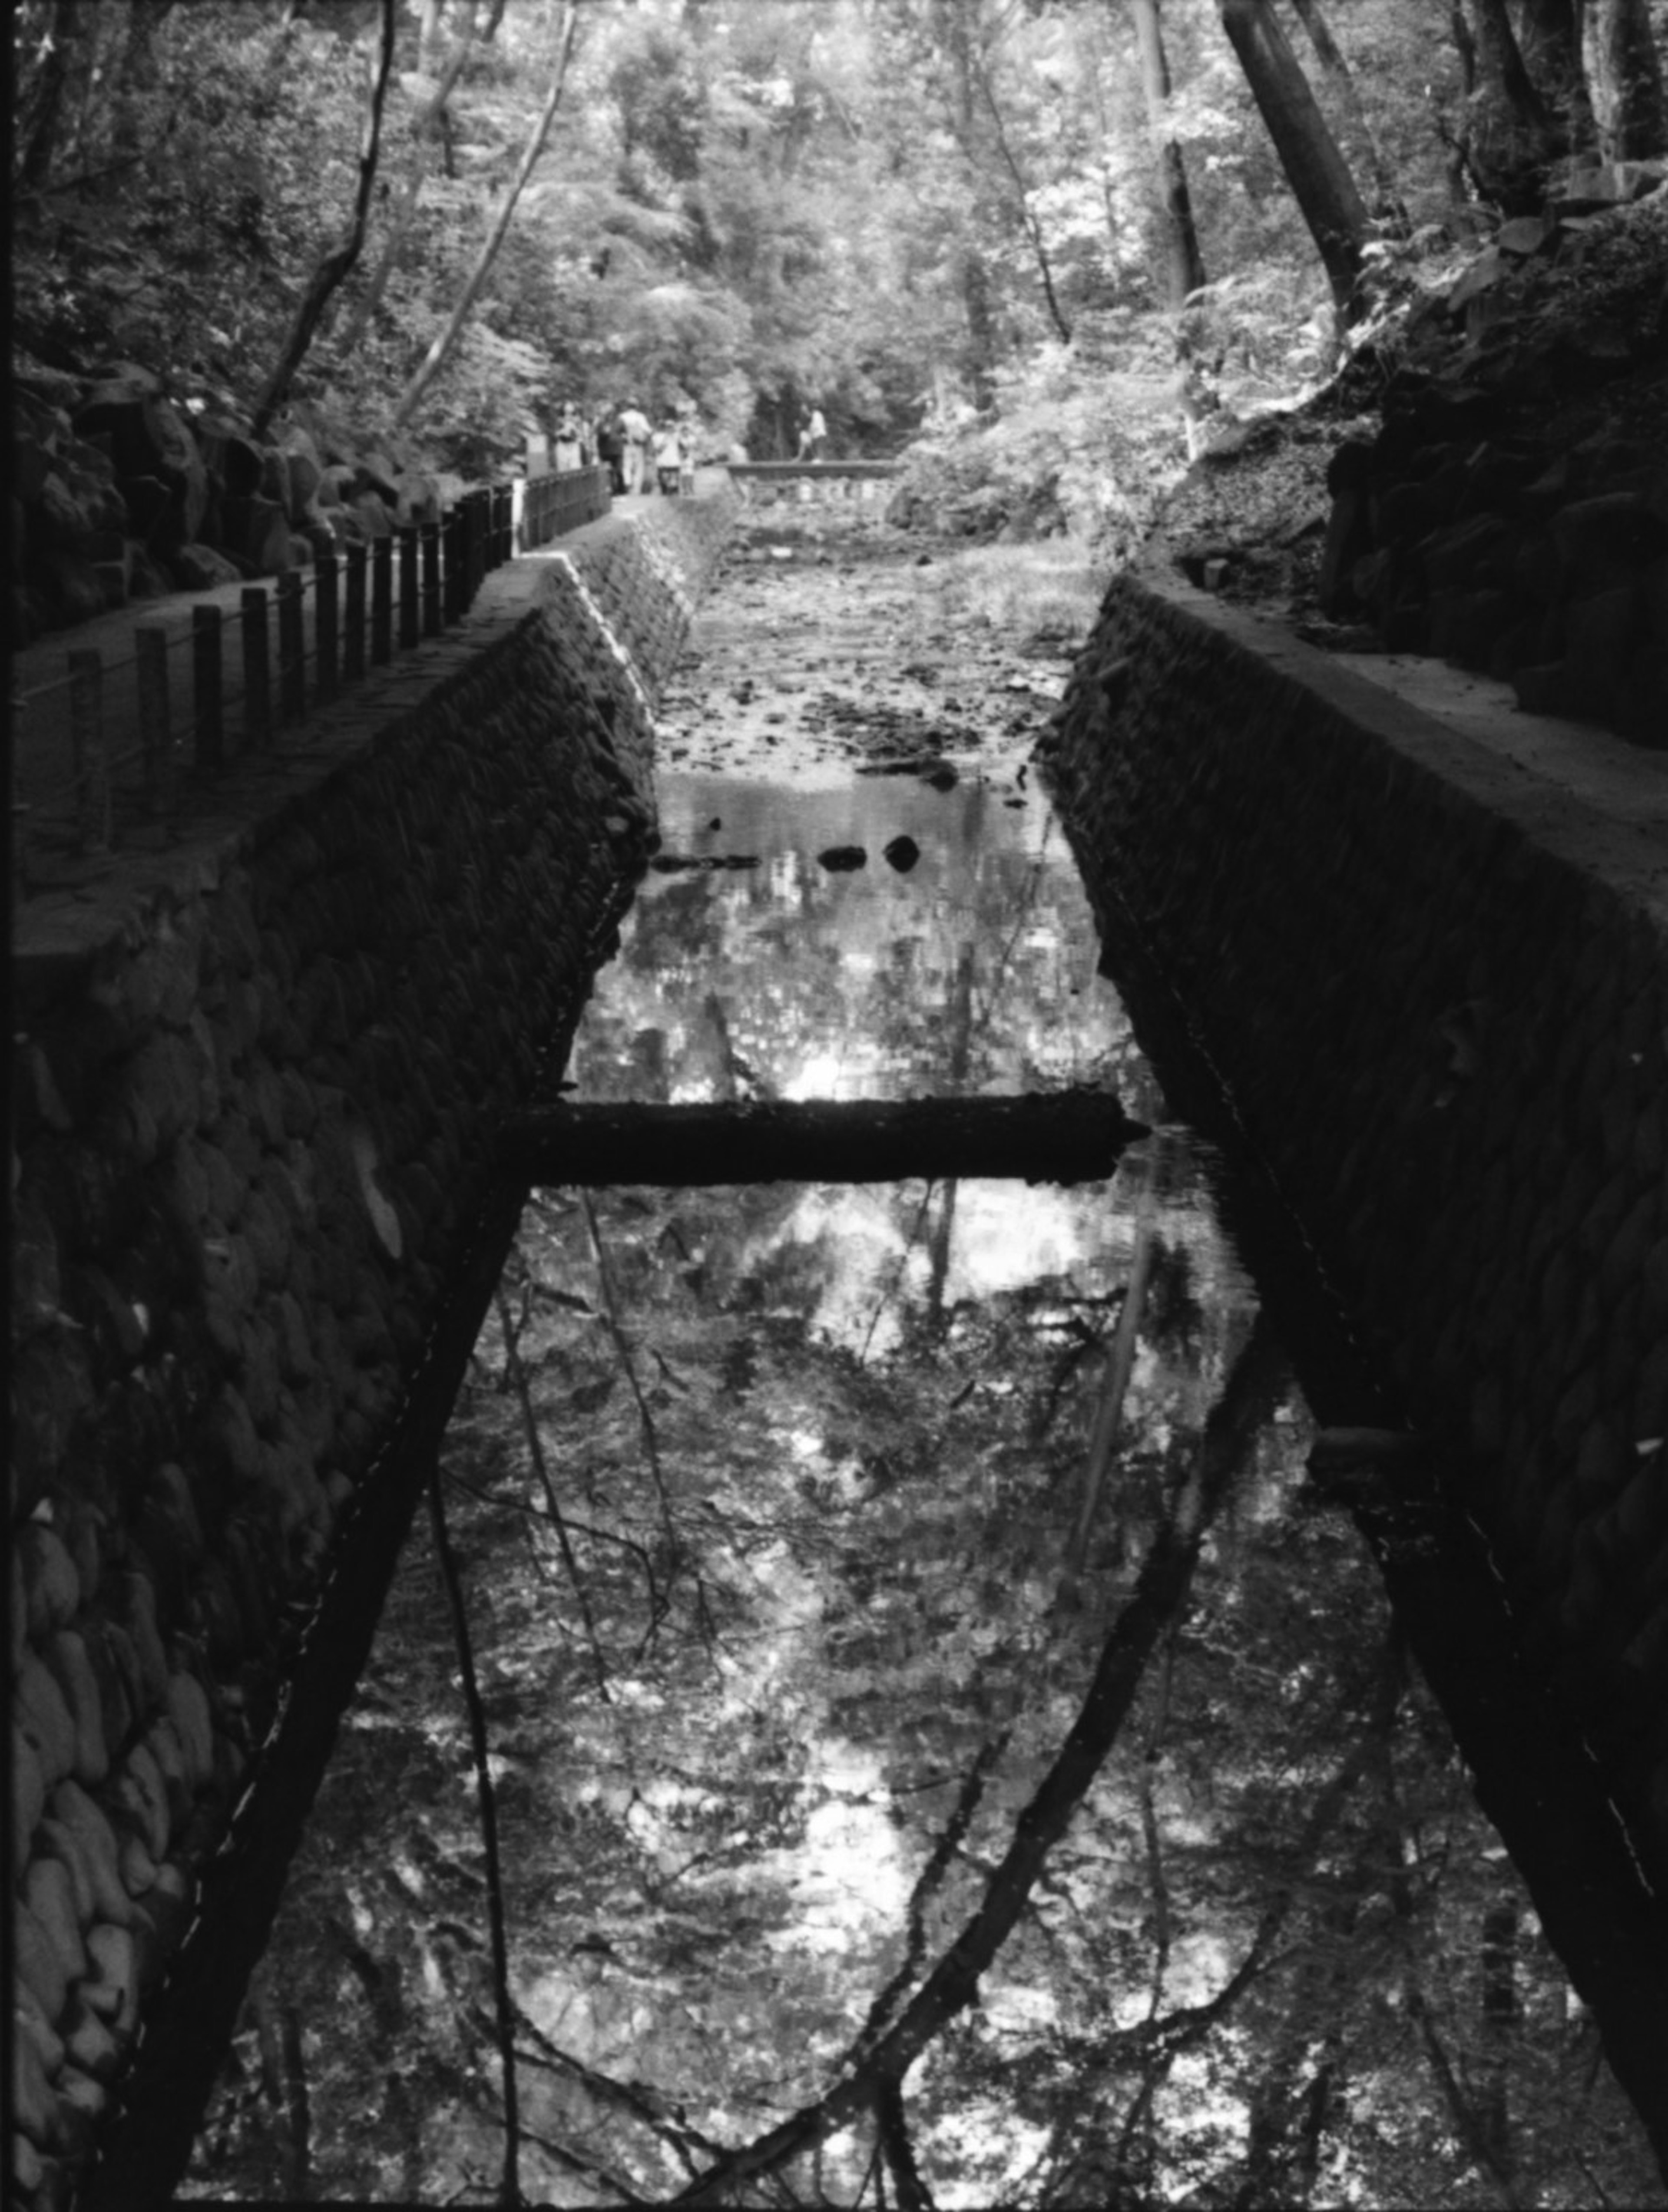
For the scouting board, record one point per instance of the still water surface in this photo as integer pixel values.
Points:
(943, 1751)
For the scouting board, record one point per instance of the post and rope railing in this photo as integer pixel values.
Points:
(227, 686)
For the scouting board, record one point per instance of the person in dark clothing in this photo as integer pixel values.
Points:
(611, 450)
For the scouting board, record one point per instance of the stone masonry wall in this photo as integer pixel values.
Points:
(1440, 1000)
(252, 1126)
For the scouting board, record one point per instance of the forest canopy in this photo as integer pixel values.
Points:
(895, 209)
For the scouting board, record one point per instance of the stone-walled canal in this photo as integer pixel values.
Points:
(256, 1217)
(254, 1093)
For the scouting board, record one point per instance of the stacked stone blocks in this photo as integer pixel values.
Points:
(1447, 1030)
(252, 1130)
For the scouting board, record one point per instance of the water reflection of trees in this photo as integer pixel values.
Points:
(740, 977)
(846, 1857)
(939, 1755)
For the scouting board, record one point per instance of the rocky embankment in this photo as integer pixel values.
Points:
(1489, 485)
(121, 492)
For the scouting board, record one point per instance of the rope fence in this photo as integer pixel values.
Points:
(370, 600)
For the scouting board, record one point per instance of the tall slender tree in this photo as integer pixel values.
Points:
(335, 266)
(1390, 206)
(39, 125)
(1184, 263)
(1032, 227)
(429, 124)
(1320, 178)
(1631, 61)
(1550, 35)
(438, 354)
(1512, 137)
(955, 27)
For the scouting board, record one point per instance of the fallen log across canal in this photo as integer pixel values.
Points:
(1071, 1136)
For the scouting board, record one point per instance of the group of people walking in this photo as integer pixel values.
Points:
(638, 456)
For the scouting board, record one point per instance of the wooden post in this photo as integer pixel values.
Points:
(433, 617)
(20, 812)
(292, 649)
(382, 601)
(150, 646)
(410, 614)
(326, 627)
(478, 524)
(353, 625)
(92, 765)
(468, 541)
(257, 671)
(1072, 1136)
(208, 743)
(452, 559)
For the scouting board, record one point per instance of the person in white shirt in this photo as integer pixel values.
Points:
(811, 438)
(634, 424)
(568, 451)
(668, 456)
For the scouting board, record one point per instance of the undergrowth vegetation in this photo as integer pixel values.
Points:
(1044, 595)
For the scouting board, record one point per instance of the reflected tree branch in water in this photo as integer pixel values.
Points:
(518, 1373)
(505, 1504)
(588, 2168)
(1135, 2153)
(283, 2076)
(1468, 2122)
(511, 2186)
(678, 1556)
(300, 2117)
(1157, 1884)
(1027, 901)
(667, 2126)
(895, 1283)
(1120, 1364)
(1083, 1342)
(1247, 1401)
(927, 1884)
(912, 2193)
(623, 1345)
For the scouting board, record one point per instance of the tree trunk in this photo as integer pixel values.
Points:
(41, 133)
(981, 327)
(1033, 229)
(1638, 122)
(1184, 267)
(1513, 138)
(335, 266)
(1070, 1136)
(1551, 39)
(428, 30)
(438, 354)
(137, 75)
(431, 121)
(1318, 175)
(1391, 209)
(952, 34)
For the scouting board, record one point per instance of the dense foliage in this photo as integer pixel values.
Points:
(897, 210)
